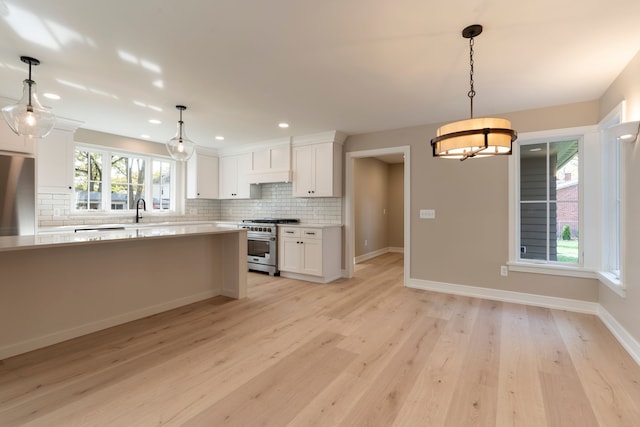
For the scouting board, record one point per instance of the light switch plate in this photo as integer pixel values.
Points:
(427, 214)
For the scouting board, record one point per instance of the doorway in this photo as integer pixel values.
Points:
(387, 155)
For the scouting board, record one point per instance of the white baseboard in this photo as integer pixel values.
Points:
(622, 335)
(396, 250)
(507, 296)
(369, 255)
(67, 334)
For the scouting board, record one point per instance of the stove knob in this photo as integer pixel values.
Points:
(269, 229)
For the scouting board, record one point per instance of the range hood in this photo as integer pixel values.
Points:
(269, 176)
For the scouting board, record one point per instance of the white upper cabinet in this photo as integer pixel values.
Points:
(203, 176)
(271, 163)
(55, 158)
(234, 180)
(9, 141)
(317, 165)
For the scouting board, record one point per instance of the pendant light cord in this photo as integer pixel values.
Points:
(472, 91)
(30, 82)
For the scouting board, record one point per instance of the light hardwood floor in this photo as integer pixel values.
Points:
(359, 352)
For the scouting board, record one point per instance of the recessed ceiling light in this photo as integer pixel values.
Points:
(153, 107)
(158, 84)
(51, 96)
(154, 121)
(144, 135)
(283, 125)
(220, 138)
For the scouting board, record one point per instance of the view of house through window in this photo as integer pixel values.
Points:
(550, 202)
(125, 176)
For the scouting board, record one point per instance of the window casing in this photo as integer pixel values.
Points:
(611, 271)
(580, 258)
(112, 181)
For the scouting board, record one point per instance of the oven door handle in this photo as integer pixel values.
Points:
(262, 239)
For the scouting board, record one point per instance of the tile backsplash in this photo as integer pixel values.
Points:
(276, 202)
(55, 209)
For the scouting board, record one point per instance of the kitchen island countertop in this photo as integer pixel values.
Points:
(108, 233)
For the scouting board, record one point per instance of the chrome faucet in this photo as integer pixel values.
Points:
(144, 208)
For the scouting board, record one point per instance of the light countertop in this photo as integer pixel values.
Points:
(304, 225)
(52, 237)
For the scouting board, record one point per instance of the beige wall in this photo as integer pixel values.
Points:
(395, 210)
(378, 205)
(468, 241)
(370, 205)
(627, 310)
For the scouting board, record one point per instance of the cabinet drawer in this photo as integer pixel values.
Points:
(311, 233)
(289, 232)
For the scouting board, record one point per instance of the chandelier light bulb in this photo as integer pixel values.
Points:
(28, 117)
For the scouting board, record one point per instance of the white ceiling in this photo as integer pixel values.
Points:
(243, 66)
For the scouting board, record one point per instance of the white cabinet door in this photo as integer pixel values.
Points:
(290, 254)
(228, 177)
(312, 257)
(317, 170)
(202, 177)
(234, 180)
(243, 167)
(323, 170)
(9, 141)
(55, 162)
(303, 171)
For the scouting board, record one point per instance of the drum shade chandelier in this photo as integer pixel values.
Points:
(475, 137)
(28, 117)
(180, 147)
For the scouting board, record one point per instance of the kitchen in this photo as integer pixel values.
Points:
(459, 250)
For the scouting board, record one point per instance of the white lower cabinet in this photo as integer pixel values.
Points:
(310, 253)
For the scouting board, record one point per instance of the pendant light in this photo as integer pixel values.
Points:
(28, 117)
(180, 147)
(479, 137)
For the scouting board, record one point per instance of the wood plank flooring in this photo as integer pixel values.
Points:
(359, 352)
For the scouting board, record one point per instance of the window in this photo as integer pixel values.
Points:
(550, 201)
(114, 181)
(611, 268)
(612, 207)
(554, 202)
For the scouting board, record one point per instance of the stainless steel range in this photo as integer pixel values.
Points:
(262, 243)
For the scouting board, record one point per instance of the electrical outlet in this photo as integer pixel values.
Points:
(504, 270)
(56, 211)
(366, 242)
(427, 214)
(193, 211)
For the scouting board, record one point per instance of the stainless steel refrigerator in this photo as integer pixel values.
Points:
(17, 195)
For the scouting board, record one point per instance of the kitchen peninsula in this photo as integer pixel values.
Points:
(58, 286)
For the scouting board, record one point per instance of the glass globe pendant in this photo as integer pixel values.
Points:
(28, 117)
(180, 147)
